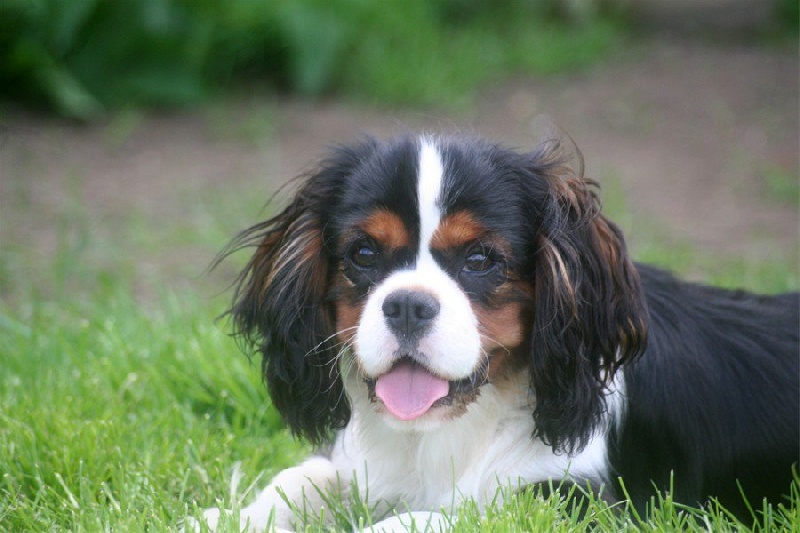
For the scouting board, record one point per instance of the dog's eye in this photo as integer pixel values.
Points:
(478, 261)
(363, 255)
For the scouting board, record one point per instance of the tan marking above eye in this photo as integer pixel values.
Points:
(457, 230)
(386, 228)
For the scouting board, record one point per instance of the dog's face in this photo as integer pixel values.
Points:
(431, 268)
(426, 289)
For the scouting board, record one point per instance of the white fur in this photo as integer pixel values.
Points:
(433, 468)
(429, 190)
(451, 348)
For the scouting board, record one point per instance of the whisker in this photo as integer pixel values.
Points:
(329, 337)
(343, 348)
(495, 342)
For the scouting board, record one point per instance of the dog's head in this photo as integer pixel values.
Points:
(431, 268)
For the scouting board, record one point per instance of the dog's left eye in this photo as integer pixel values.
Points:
(478, 261)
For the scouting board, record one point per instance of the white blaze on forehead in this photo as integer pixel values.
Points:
(429, 185)
(451, 348)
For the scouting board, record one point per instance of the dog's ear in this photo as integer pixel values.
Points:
(589, 312)
(280, 309)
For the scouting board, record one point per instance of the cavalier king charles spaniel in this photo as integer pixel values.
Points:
(450, 317)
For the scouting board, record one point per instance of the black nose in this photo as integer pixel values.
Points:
(408, 313)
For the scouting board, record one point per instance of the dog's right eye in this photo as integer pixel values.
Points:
(363, 255)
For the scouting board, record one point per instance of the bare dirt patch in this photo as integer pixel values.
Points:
(690, 133)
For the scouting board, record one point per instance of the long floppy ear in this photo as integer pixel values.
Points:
(589, 311)
(280, 309)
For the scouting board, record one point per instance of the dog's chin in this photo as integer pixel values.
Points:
(436, 401)
(429, 422)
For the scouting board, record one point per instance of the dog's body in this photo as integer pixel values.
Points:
(463, 319)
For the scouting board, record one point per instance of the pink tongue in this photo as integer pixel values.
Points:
(408, 390)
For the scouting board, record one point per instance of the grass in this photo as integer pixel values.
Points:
(128, 414)
(114, 416)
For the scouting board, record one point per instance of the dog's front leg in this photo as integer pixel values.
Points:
(299, 486)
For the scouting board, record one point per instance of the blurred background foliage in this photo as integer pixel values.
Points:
(81, 58)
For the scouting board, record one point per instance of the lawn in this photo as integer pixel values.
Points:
(126, 405)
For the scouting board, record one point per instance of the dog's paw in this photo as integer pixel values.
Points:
(412, 522)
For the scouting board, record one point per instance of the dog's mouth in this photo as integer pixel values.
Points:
(409, 390)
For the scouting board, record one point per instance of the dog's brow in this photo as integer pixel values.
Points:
(457, 230)
(387, 228)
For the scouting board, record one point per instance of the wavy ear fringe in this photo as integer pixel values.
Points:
(589, 316)
(280, 303)
(280, 310)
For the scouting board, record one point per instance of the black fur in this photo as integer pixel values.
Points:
(714, 399)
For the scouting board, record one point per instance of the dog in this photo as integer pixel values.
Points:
(452, 317)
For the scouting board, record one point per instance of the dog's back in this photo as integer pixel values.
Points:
(714, 398)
